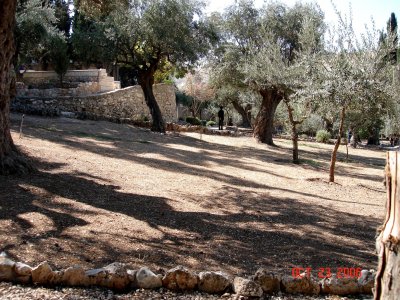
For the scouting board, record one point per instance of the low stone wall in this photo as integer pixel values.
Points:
(81, 89)
(37, 77)
(45, 79)
(120, 277)
(124, 104)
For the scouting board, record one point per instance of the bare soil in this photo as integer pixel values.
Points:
(106, 192)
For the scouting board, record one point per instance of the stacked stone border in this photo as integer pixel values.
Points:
(120, 277)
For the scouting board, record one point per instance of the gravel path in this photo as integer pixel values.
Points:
(17, 292)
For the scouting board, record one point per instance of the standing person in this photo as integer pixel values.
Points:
(349, 134)
(220, 118)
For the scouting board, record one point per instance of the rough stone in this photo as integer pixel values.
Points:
(24, 279)
(96, 276)
(75, 276)
(6, 269)
(22, 269)
(339, 286)
(146, 279)
(180, 278)
(117, 276)
(113, 276)
(302, 285)
(269, 282)
(132, 278)
(366, 281)
(246, 287)
(213, 282)
(43, 274)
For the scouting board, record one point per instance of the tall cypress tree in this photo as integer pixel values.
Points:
(62, 13)
(392, 38)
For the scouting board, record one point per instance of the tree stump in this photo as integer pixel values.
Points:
(387, 281)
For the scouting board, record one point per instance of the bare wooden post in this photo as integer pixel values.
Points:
(387, 282)
(20, 127)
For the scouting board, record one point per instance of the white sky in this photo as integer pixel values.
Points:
(363, 10)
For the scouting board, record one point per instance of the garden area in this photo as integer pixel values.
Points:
(248, 205)
(114, 176)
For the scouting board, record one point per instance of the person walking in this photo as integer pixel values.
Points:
(220, 118)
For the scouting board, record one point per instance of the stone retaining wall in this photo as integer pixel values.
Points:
(81, 89)
(40, 79)
(124, 104)
(120, 277)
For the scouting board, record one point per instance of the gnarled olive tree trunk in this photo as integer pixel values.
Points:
(245, 113)
(10, 160)
(387, 280)
(146, 81)
(264, 126)
(295, 135)
(337, 144)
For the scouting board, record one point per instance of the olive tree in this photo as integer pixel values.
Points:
(11, 161)
(237, 27)
(146, 33)
(354, 76)
(38, 38)
(260, 52)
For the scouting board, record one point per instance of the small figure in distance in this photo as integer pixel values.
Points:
(349, 135)
(220, 118)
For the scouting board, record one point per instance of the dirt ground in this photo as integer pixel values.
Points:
(107, 192)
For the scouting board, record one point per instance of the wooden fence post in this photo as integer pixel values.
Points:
(387, 281)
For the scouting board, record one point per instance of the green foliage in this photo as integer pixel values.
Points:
(193, 121)
(59, 56)
(267, 51)
(392, 38)
(183, 98)
(281, 59)
(166, 72)
(354, 80)
(62, 13)
(238, 27)
(153, 38)
(392, 122)
(211, 123)
(89, 41)
(151, 31)
(312, 124)
(37, 35)
(35, 27)
(323, 136)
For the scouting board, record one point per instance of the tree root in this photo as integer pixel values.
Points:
(15, 163)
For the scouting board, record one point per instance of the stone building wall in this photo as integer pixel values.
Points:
(127, 103)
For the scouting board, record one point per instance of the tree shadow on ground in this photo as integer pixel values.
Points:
(129, 145)
(71, 218)
(80, 218)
